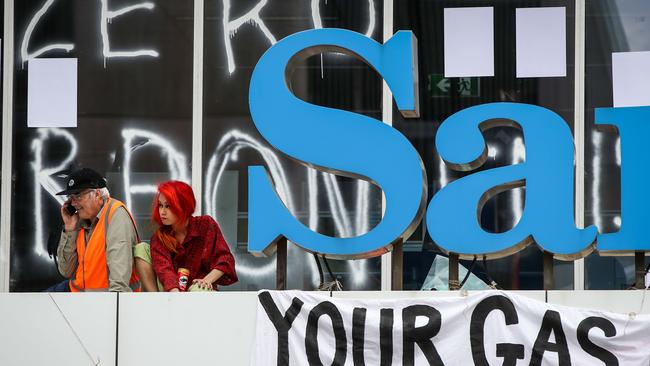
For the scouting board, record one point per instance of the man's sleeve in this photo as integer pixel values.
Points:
(66, 253)
(120, 240)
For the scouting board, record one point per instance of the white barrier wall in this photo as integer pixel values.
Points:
(183, 329)
(57, 329)
(186, 329)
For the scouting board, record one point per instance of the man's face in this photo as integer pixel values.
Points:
(87, 202)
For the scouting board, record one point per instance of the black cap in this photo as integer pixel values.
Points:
(81, 179)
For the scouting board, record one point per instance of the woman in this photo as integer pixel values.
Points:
(185, 241)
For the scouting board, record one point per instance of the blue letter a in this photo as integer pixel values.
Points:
(633, 124)
(453, 214)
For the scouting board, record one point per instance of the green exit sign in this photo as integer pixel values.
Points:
(440, 87)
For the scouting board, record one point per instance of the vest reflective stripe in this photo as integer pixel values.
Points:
(92, 268)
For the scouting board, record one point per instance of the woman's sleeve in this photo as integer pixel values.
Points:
(163, 265)
(221, 258)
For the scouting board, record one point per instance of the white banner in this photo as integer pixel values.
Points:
(485, 328)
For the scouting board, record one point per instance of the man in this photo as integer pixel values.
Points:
(96, 247)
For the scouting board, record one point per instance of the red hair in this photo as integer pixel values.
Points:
(182, 203)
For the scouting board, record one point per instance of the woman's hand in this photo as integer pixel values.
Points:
(174, 290)
(203, 283)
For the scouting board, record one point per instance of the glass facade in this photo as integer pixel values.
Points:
(135, 125)
(441, 97)
(611, 26)
(134, 116)
(234, 39)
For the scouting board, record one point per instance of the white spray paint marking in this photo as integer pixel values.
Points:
(176, 162)
(230, 28)
(43, 178)
(227, 150)
(107, 17)
(231, 143)
(24, 53)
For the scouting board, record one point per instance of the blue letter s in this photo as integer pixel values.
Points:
(336, 141)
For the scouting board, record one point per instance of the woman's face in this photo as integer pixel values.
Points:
(166, 215)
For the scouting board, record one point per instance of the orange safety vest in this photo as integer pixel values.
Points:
(92, 269)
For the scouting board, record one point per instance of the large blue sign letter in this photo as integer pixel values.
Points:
(547, 173)
(336, 141)
(633, 126)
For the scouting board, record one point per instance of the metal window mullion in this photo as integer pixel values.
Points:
(579, 135)
(7, 134)
(387, 118)
(197, 104)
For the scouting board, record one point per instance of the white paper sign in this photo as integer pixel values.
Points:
(52, 92)
(469, 42)
(631, 78)
(486, 328)
(541, 42)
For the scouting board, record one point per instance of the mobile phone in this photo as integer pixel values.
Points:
(70, 208)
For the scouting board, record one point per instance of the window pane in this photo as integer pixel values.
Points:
(441, 97)
(611, 26)
(134, 117)
(231, 142)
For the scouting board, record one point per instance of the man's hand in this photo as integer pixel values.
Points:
(70, 222)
